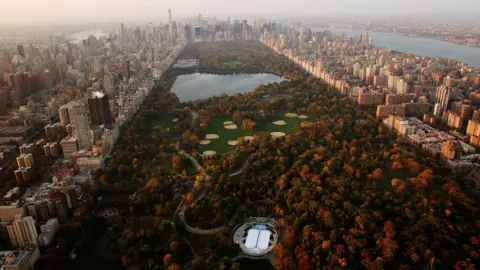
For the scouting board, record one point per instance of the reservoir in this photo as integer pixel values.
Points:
(79, 36)
(416, 45)
(201, 86)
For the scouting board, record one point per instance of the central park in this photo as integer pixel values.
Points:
(346, 192)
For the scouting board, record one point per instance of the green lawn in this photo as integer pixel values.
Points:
(262, 128)
(272, 97)
(232, 64)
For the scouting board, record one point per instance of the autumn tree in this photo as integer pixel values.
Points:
(377, 174)
(248, 124)
(397, 165)
(176, 162)
(237, 117)
(167, 259)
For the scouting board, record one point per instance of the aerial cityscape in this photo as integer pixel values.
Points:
(239, 135)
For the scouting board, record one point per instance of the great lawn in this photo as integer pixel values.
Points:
(262, 128)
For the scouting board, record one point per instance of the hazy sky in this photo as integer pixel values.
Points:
(42, 11)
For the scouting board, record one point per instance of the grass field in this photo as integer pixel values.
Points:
(232, 64)
(263, 128)
(272, 97)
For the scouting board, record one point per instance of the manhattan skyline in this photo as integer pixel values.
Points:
(24, 12)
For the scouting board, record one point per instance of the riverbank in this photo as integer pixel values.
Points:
(420, 46)
(412, 35)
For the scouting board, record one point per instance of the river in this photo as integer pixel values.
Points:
(199, 86)
(416, 45)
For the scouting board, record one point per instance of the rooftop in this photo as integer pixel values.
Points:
(256, 236)
(98, 94)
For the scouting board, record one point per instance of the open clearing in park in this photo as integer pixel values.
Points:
(270, 97)
(262, 128)
(165, 121)
(232, 64)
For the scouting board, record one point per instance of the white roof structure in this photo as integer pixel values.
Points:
(252, 238)
(257, 236)
(257, 240)
(263, 239)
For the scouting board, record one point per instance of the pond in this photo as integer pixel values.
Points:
(79, 36)
(199, 85)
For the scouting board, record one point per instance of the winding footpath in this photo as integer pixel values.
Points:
(239, 170)
(182, 207)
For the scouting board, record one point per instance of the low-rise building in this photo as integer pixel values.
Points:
(22, 259)
(10, 211)
(93, 162)
(432, 137)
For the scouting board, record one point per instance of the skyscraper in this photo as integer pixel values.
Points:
(109, 84)
(138, 34)
(22, 232)
(245, 29)
(48, 79)
(149, 32)
(82, 125)
(366, 40)
(21, 51)
(22, 83)
(170, 26)
(3, 103)
(122, 33)
(99, 109)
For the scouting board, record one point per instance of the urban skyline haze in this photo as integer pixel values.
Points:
(56, 11)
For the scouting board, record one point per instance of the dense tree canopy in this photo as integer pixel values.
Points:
(348, 193)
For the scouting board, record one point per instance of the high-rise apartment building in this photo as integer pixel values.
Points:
(392, 82)
(25, 160)
(22, 232)
(82, 125)
(99, 109)
(437, 110)
(442, 96)
(451, 150)
(401, 87)
(69, 145)
(63, 114)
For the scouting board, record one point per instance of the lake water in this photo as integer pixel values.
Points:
(79, 36)
(417, 46)
(200, 86)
